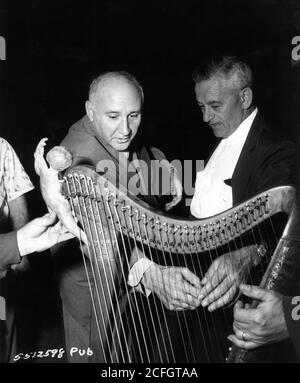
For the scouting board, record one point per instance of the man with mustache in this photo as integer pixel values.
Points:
(247, 159)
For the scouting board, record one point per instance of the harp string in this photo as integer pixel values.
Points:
(84, 261)
(148, 303)
(142, 302)
(129, 294)
(107, 233)
(149, 327)
(209, 319)
(125, 279)
(165, 350)
(123, 210)
(213, 334)
(184, 312)
(107, 298)
(138, 167)
(169, 338)
(159, 230)
(204, 312)
(154, 323)
(113, 273)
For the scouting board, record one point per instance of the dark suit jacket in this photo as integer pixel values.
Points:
(86, 149)
(265, 162)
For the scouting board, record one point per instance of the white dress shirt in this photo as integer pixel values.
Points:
(212, 195)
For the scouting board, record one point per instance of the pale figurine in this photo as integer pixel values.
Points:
(59, 159)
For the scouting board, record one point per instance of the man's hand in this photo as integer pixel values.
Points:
(177, 287)
(225, 274)
(41, 234)
(261, 325)
(176, 191)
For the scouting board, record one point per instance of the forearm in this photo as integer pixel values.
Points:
(18, 212)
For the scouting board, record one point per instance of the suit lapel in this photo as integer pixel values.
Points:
(241, 175)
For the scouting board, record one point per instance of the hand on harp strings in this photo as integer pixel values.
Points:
(177, 287)
(224, 276)
(254, 327)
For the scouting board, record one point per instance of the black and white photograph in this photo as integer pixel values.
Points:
(149, 163)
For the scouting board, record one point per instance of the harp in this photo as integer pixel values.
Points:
(133, 328)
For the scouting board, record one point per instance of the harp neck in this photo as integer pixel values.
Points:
(135, 218)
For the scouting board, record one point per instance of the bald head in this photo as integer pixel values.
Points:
(114, 108)
(105, 78)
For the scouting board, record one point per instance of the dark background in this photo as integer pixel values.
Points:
(55, 48)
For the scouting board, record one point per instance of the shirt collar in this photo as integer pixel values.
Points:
(240, 134)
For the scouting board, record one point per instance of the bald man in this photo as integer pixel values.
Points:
(106, 133)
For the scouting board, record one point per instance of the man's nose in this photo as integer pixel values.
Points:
(207, 115)
(125, 127)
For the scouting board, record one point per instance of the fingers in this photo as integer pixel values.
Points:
(47, 219)
(65, 236)
(248, 345)
(211, 280)
(255, 292)
(182, 294)
(191, 277)
(184, 301)
(224, 299)
(219, 294)
(243, 315)
(39, 225)
(214, 271)
(240, 327)
(175, 292)
(248, 333)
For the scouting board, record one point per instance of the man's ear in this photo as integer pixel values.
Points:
(89, 110)
(246, 97)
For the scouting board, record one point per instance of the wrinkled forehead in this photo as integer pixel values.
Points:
(214, 89)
